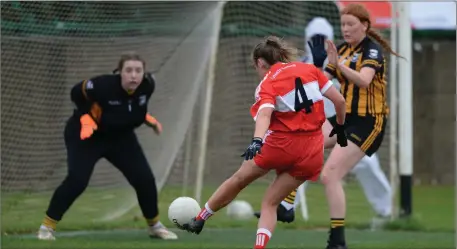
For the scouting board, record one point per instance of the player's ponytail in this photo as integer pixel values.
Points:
(385, 44)
(274, 50)
(363, 15)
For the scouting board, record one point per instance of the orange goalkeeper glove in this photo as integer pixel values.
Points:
(153, 123)
(88, 126)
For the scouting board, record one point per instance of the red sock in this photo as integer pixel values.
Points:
(205, 213)
(262, 238)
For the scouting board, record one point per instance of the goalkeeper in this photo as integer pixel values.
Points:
(108, 109)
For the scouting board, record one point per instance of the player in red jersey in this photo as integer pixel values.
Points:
(289, 114)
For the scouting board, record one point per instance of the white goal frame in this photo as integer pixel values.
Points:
(203, 139)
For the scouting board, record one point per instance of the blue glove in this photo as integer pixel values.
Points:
(253, 149)
(317, 46)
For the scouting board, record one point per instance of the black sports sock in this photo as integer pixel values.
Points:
(337, 231)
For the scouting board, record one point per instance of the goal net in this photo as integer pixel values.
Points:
(47, 47)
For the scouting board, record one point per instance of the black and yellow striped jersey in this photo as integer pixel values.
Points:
(362, 101)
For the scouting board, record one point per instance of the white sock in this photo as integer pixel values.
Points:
(45, 227)
(206, 212)
(157, 225)
(287, 205)
(288, 202)
(208, 209)
(262, 237)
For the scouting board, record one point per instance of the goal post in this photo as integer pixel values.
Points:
(206, 115)
(393, 94)
(405, 109)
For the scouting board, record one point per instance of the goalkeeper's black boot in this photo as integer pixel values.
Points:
(282, 213)
(194, 226)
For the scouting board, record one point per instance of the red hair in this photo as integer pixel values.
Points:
(363, 15)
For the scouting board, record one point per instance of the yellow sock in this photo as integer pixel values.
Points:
(288, 202)
(153, 221)
(337, 231)
(49, 222)
(337, 222)
(291, 197)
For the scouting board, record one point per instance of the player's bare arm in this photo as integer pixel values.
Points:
(362, 79)
(329, 76)
(263, 122)
(339, 102)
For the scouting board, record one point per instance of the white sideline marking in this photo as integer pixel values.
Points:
(83, 233)
(114, 231)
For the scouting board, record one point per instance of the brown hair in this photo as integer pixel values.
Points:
(129, 56)
(362, 14)
(273, 50)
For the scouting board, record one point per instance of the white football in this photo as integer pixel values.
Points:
(240, 210)
(182, 210)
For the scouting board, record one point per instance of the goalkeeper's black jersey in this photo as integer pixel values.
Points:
(113, 109)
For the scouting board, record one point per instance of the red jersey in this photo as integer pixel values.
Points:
(295, 91)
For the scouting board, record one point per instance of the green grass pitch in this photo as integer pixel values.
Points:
(432, 226)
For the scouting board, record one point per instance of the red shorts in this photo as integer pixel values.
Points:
(301, 154)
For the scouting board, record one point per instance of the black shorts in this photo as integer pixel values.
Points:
(366, 132)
